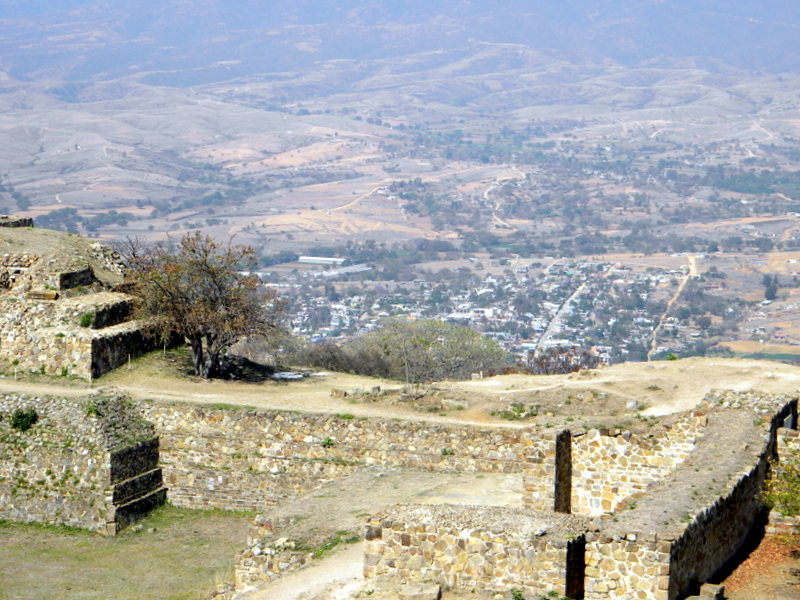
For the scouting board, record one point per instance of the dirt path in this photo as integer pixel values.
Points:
(771, 571)
(355, 201)
(664, 387)
(691, 273)
(339, 507)
(342, 570)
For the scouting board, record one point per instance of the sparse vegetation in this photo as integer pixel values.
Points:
(782, 492)
(412, 351)
(22, 419)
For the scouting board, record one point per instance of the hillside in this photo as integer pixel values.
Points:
(261, 119)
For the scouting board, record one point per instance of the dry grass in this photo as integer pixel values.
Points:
(189, 553)
(749, 346)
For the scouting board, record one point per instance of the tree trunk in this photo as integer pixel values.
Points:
(213, 351)
(197, 357)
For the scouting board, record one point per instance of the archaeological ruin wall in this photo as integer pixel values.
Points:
(685, 499)
(476, 548)
(609, 468)
(90, 462)
(58, 313)
(249, 459)
(83, 336)
(674, 538)
(717, 530)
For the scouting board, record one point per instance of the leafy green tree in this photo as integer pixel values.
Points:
(429, 350)
(197, 290)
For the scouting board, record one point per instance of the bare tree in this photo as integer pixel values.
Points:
(201, 290)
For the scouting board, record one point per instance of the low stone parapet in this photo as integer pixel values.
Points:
(479, 548)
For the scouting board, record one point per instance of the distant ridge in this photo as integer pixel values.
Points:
(206, 41)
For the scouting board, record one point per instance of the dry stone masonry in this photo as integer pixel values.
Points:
(90, 462)
(669, 511)
(606, 517)
(249, 459)
(58, 313)
(480, 548)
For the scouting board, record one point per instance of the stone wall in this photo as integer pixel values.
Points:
(47, 336)
(247, 459)
(608, 469)
(716, 532)
(115, 345)
(787, 446)
(630, 567)
(89, 462)
(479, 548)
(547, 480)
(11, 221)
(14, 268)
(57, 315)
(679, 536)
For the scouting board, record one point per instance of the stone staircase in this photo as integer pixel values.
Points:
(710, 591)
(137, 484)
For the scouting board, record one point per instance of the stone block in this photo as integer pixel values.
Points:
(420, 591)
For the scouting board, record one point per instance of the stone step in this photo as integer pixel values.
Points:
(420, 591)
(136, 509)
(137, 486)
(710, 591)
(42, 295)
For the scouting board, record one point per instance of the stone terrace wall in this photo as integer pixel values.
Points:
(608, 469)
(632, 567)
(11, 221)
(46, 334)
(65, 469)
(244, 459)
(115, 345)
(15, 269)
(717, 531)
(36, 334)
(788, 445)
(51, 473)
(477, 548)
(669, 559)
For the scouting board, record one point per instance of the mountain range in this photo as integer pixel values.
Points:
(183, 43)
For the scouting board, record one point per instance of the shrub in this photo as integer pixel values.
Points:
(782, 492)
(412, 351)
(87, 319)
(24, 418)
(327, 442)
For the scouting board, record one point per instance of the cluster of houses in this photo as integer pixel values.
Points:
(611, 309)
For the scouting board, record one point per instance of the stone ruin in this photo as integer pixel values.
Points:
(89, 462)
(60, 313)
(607, 516)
